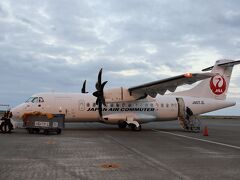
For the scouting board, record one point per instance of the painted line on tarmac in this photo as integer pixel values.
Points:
(198, 139)
(150, 159)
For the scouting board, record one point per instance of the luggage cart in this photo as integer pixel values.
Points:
(35, 123)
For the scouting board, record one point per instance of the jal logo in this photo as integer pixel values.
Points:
(218, 84)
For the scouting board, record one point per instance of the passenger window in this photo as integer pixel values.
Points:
(88, 104)
(167, 105)
(162, 105)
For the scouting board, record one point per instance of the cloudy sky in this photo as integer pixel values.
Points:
(54, 45)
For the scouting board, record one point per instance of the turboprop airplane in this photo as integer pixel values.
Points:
(140, 104)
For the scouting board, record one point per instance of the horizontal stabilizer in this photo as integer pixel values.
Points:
(225, 64)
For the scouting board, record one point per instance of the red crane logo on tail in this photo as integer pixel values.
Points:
(218, 84)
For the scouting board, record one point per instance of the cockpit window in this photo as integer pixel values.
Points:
(30, 99)
(33, 99)
(41, 99)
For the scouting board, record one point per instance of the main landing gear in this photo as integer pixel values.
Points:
(133, 125)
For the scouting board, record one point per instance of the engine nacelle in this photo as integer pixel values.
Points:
(118, 95)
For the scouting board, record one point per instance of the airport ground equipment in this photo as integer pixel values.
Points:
(187, 120)
(37, 122)
(6, 125)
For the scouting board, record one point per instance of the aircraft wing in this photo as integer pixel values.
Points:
(171, 84)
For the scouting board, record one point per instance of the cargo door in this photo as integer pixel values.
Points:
(64, 106)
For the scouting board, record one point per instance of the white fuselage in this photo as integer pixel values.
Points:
(79, 107)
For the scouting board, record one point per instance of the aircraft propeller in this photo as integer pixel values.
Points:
(99, 93)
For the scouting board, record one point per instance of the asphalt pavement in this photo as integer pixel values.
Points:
(161, 150)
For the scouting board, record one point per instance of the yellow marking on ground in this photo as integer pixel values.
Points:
(110, 166)
(51, 142)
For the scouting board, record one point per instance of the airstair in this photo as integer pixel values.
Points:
(190, 122)
(193, 124)
(187, 120)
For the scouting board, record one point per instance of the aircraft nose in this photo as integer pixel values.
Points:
(16, 113)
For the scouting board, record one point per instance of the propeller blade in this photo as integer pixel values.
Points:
(100, 109)
(103, 84)
(96, 94)
(97, 86)
(99, 93)
(97, 101)
(100, 77)
(104, 102)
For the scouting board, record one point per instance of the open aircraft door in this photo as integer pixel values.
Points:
(181, 111)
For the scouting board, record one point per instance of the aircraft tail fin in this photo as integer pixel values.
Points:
(215, 87)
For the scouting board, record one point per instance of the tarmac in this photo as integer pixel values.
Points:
(161, 150)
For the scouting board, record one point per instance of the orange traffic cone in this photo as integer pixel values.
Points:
(205, 132)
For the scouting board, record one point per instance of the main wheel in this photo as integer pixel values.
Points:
(122, 124)
(37, 130)
(30, 130)
(135, 128)
(59, 131)
(46, 132)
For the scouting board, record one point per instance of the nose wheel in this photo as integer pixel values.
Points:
(122, 124)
